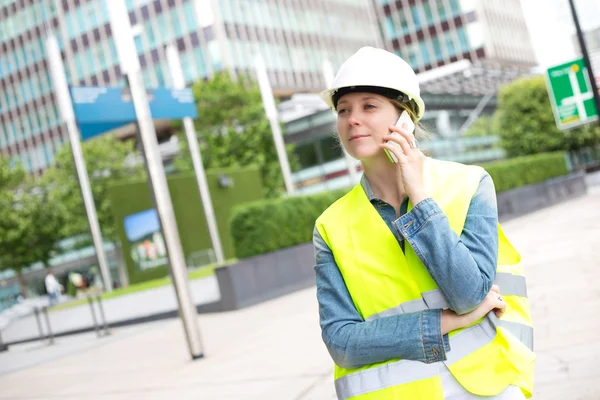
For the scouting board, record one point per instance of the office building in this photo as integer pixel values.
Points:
(430, 34)
(293, 36)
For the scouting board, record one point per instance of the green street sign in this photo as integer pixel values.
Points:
(571, 94)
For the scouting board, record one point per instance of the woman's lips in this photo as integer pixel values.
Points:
(358, 137)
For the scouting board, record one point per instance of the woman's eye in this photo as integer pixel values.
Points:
(342, 110)
(369, 106)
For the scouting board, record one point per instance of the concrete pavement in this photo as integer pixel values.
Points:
(157, 303)
(274, 350)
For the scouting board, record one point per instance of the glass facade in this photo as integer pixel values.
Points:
(293, 36)
(430, 34)
(426, 34)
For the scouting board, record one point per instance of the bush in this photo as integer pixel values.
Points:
(525, 122)
(526, 170)
(269, 225)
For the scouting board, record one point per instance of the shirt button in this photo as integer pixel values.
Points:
(435, 352)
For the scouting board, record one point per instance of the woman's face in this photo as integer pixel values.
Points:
(363, 119)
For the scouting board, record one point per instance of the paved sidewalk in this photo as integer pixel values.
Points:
(274, 350)
(147, 304)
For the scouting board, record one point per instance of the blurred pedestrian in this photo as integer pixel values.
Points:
(406, 261)
(53, 288)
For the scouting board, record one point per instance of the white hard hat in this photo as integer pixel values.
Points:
(376, 69)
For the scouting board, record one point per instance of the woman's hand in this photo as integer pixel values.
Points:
(493, 301)
(410, 161)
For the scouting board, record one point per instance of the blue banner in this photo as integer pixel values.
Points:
(101, 109)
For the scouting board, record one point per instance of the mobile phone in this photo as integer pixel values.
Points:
(404, 117)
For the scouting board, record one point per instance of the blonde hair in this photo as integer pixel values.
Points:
(421, 132)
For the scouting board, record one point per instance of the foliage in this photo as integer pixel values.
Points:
(526, 170)
(32, 220)
(482, 126)
(526, 123)
(106, 160)
(233, 130)
(273, 224)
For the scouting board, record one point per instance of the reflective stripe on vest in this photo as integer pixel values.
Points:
(511, 284)
(405, 371)
(515, 286)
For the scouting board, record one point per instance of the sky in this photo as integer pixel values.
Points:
(551, 27)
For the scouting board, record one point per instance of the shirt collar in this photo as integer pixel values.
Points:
(367, 188)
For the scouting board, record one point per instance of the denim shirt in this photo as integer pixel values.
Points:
(464, 269)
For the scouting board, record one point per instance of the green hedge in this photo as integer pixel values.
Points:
(268, 225)
(526, 170)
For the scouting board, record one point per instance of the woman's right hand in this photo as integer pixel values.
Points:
(493, 301)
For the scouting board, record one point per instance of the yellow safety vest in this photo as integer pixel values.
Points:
(486, 357)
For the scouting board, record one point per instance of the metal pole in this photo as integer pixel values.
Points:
(586, 58)
(96, 328)
(190, 133)
(121, 28)
(50, 335)
(476, 111)
(350, 162)
(3, 347)
(36, 311)
(122, 268)
(102, 316)
(271, 111)
(59, 81)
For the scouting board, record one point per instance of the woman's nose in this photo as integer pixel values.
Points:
(354, 118)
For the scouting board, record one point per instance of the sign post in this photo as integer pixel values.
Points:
(190, 133)
(59, 81)
(121, 28)
(571, 94)
(271, 111)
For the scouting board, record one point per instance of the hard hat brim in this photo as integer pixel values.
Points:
(327, 97)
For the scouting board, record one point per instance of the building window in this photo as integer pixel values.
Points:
(160, 76)
(415, 17)
(389, 29)
(139, 47)
(437, 48)
(215, 55)
(307, 155)
(150, 35)
(441, 9)
(403, 23)
(455, 6)
(464, 42)
(428, 13)
(200, 62)
(449, 43)
(424, 53)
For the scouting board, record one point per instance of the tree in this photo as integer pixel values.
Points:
(32, 222)
(106, 160)
(233, 130)
(482, 126)
(526, 123)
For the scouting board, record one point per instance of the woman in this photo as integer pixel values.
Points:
(409, 257)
